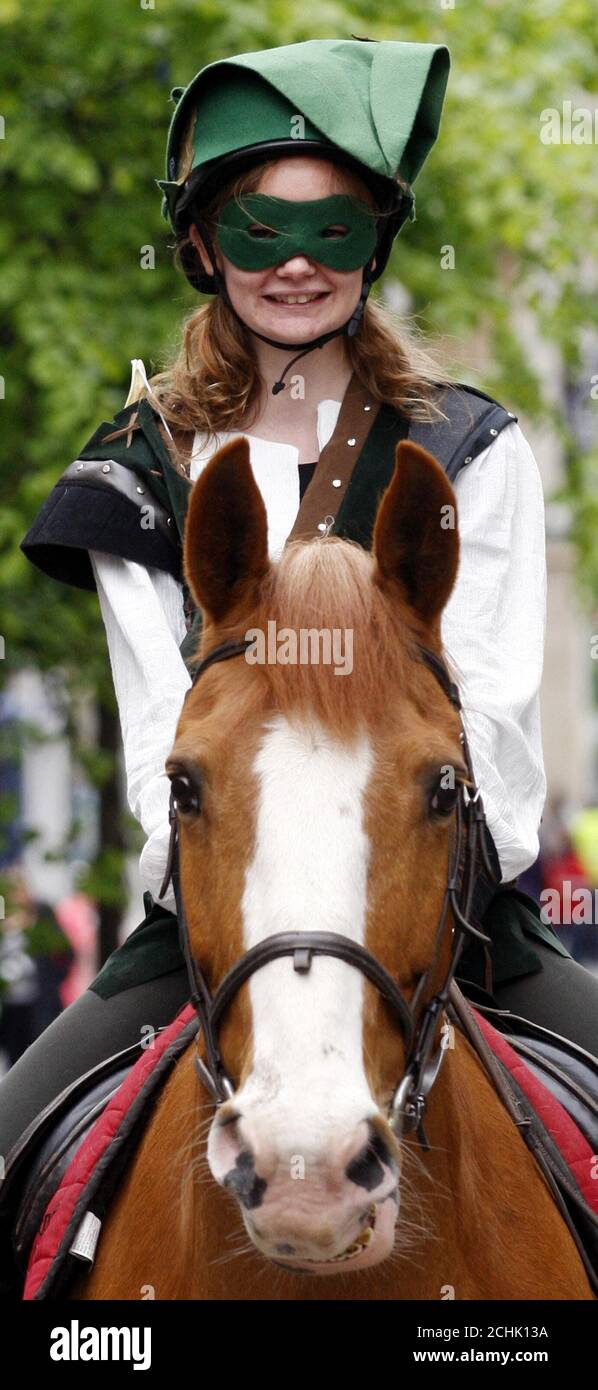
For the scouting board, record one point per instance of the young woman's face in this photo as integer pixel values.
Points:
(266, 300)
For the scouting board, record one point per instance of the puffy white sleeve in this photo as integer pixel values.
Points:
(493, 630)
(143, 615)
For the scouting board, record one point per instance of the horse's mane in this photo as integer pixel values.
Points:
(327, 584)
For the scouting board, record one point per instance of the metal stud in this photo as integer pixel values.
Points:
(336, 482)
(511, 413)
(105, 468)
(169, 521)
(141, 490)
(493, 432)
(321, 526)
(367, 407)
(79, 467)
(351, 442)
(468, 459)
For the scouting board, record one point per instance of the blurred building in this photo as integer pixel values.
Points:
(49, 795)
(569, 714)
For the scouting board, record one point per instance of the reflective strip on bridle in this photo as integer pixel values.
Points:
(422, 1066)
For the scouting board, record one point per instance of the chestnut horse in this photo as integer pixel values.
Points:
(309, 799)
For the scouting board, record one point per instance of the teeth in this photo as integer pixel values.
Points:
(294, 298)
(361, 1243)
(356, 1248)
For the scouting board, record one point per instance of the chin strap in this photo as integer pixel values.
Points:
(280, 383)
(349, 328)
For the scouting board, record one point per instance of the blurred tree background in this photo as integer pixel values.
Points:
(86, 108)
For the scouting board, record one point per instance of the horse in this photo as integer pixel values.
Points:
(313, 803)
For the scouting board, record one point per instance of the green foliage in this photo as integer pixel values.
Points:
(581, 492)
(45, 937)
(103, 879)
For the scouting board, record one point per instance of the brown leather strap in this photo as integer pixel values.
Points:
(322, 499)
(493, 1069)
(132, 424)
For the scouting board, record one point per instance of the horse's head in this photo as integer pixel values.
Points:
(317, 797)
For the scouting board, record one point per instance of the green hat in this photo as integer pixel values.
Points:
(372, 106)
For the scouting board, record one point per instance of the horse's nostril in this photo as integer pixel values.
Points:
(367, 1168)
(243, 1180)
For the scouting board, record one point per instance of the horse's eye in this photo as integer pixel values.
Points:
(186, 793)
(443, 800)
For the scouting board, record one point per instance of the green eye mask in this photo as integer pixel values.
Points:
(339, 232)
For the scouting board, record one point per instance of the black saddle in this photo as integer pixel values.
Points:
(568, 1071)
(37, 1163)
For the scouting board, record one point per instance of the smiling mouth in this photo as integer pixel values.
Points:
(290, 300)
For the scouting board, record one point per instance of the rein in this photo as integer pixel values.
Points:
(422, 1064)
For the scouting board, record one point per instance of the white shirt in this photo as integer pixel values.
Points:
(492, 628)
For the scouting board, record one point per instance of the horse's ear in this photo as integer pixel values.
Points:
(226, 533)
(416, 540)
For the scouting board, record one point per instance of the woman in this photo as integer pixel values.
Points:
(289, 175)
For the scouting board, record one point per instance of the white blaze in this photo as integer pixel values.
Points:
(309, 873)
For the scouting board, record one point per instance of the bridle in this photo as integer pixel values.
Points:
(422, 1064)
